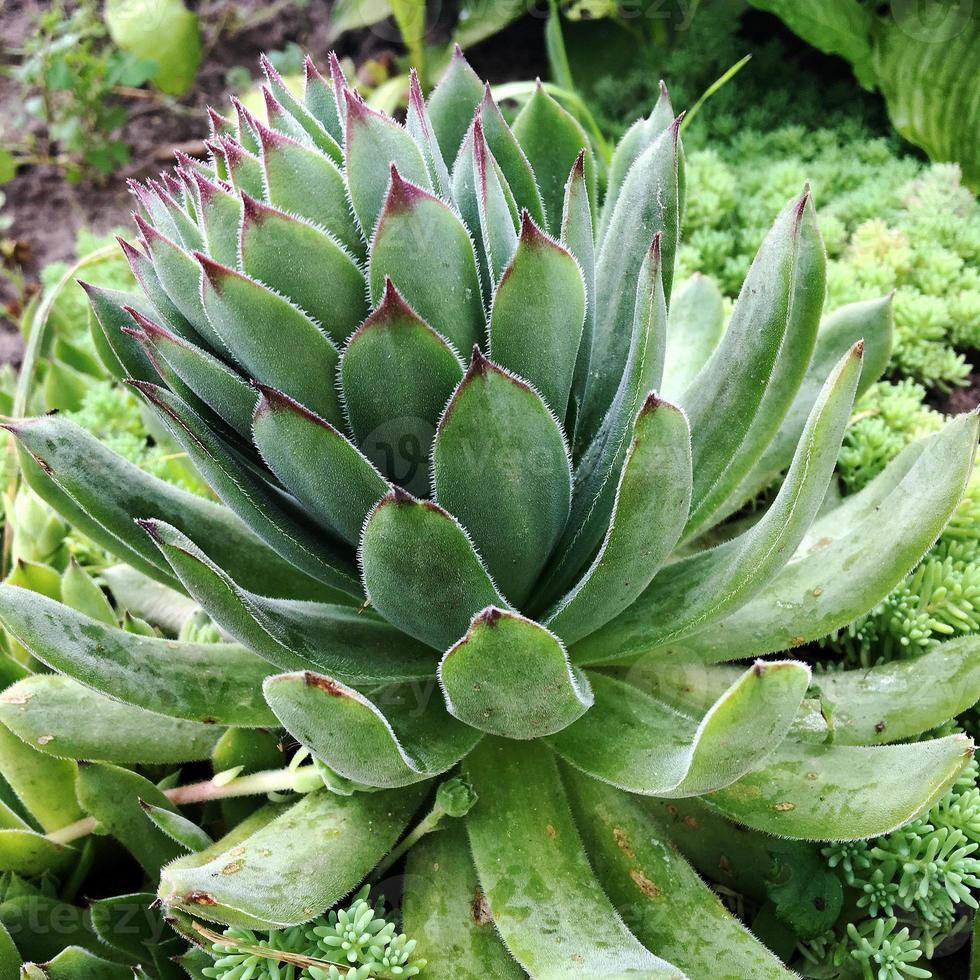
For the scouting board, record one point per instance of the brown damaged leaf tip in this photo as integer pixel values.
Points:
(151, 527)
(479, 364)
(327, 684)
(198, 898)
(489, 617)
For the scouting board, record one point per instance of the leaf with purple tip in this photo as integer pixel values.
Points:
(401, 735)
(511, 677)
(319, 99)
(120, 353)
(538, 315)
(220, 216)
(308, 265)
(394, 423)
(496, 210)
(500, 465)
(420, 570)
(244, 169)
(421, 244)
(419, 126)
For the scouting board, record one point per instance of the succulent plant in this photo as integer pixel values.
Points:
(481, 471)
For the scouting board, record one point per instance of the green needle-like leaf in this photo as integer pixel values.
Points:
(294, 867)
(541, 891)
(511, 677)
(644, 745)
(500, 465)
(65, 719)
(421, 571)
(399, 736)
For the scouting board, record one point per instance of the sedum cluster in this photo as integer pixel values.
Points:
(473, 456)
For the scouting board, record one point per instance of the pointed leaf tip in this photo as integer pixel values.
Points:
(310, 70)
(490, 616)
(664, 94)
(399, 495)
(151, 527)
(478, 363)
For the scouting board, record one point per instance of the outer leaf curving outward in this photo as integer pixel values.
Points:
(843, 792)
(703, 587)
(511, 677)
(836, 576)
(539, 858)
(61, 717)
(421, 572)
(293, 867)
(212, 682)
(354, 645)
(399, 736)
(643, 745)
(500, 465)
(659, 895)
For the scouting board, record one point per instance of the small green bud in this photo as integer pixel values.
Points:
(456, 797)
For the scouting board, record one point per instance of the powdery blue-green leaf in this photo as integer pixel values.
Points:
(270, 514)
(305, 263)
(701, 588)
(843, 792)
(695, 324)
(399, 735)
(295, 866)
(500, 466)
(212, 682)
(113, 796)
(421, 571)
(511, 677)
(643, 744)
(647, 520)
(394, 423)
(538, 314)
(553, 140)
(445, 910)
(421, 246)
(373, 142)
(661, 898)
(44, 785)
(835, 577)
(65, 719)
(540, 857)
(324, 471)
(648, 205)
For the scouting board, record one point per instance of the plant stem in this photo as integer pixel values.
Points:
(298, 780)
(425, 826)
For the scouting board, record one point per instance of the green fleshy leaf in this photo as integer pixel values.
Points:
(80, 592)
(637, 139)
(834, 576)
(119, 352)
(27, 853)
(208, 682)
(538, 315)
(843, 792)
(452, 104)
(420, 127)
(642, 744)
(869, 321)
(236, 304)
(447, 912)
(295, 866)
(326, 473)
(301, 181)
(44, 785)
(495, 210)
(511, 677)
(739, 398)
(10, 961)
(500, 465)
(659, 895)
(553, 140)
(422, 246)
(299, 260)
(220, 217)
(275, 518)
(399, 736)
(356, 646)
(244, 169)
(178, 828)
(648, 205)
(67, 720)
(209, 380)
(577, 237)
(421, 571)
(101, 493)
(129, 924)
(647, 520)
(113, 796)
(695, 324)
(394, 424)
(697, 590)
(76, 963)
(539, 857)
(373, 142)
(318, 93)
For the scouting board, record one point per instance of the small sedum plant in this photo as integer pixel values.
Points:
(475, 454)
